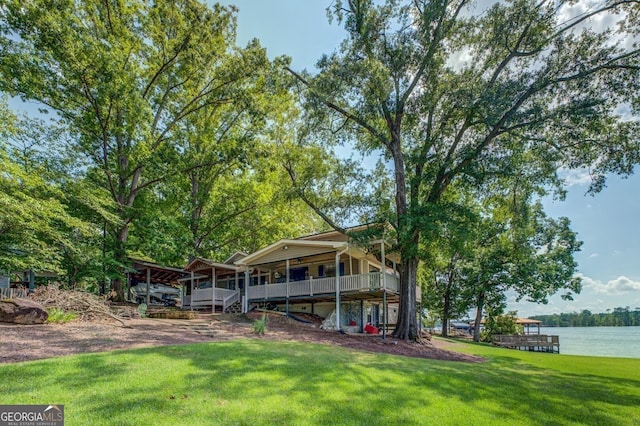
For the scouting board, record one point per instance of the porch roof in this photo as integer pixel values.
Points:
(157, 273)
(291, 249)
(200, 263)
(235, 256)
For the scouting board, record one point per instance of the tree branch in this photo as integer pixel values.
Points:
(342, 111)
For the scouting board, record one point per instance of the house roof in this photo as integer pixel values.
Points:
(334, 235)
(290, 249)
(527, 321)
(200, 263)
(157, 273)
(372, 246)
(235, 256)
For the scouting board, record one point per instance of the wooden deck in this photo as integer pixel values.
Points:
(528, 342)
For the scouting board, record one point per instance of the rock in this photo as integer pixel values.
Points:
(22, 311)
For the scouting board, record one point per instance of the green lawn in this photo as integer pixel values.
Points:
(267, 382)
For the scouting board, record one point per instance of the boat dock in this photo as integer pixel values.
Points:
(528, 342)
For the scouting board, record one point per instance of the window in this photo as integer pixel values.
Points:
(329, 270)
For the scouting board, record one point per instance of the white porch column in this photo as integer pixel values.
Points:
(246, 290)
(191, 299)
(338, 291)
(148, 286)
(213, 289)
(384, 291)
(236, 285)
(287, 297)
(384, 268)
(288, 277)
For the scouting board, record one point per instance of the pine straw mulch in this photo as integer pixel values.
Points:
(31, 342)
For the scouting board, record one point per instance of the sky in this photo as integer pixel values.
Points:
(607, 223)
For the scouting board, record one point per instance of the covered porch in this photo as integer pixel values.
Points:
(372, 282)
(290, 273)
(210, 284)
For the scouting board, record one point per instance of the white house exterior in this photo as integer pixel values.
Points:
(324, 274)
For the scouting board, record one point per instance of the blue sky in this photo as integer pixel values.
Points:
(607, 223)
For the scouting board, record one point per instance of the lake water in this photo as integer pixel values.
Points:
(597, 341)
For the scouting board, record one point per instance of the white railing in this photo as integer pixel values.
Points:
(230, 299)
(223, 293)
(12, 293)
(360, 282)
(323, 285)
(201, 296)
(392, 282)
(212, 297)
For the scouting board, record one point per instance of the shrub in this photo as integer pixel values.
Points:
(500, 324)
(260, 325)
(142, 310)
(59, 316)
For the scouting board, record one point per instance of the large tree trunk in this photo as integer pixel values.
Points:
(446, 309)
(479, 308)
(408, 239)
(407, 326)
(120, 255)
(196, 214)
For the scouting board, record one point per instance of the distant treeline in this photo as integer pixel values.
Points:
(617, 317)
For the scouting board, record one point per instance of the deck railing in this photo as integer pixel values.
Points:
(531, 342)
(230, 300)
(12, 293)
(211, 297)
(361, 282)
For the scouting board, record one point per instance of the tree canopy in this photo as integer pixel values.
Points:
(163, 109)
(169, 139)
(450, 92)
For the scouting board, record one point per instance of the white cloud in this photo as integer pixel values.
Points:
(593, 255)
(596, 296)
(575, 177)
(620, 285)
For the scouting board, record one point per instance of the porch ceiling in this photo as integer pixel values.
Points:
(290, 249)
(158, 274)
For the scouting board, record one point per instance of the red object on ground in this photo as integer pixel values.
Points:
(370, 329)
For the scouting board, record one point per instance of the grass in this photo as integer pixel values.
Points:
(255, 381)
(60, 316)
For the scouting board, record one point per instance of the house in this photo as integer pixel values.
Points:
(209, 284)
(324, 274)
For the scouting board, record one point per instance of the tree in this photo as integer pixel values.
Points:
(501, 324)
(224, 151)
(520, 249)
(444, 294)
(38, 229)
(448, 93)
(125, 77)
(443, 282)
